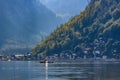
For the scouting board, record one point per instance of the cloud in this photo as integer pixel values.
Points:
(46, 1)
(62, 15)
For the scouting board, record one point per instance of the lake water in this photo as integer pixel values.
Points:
(31, 70)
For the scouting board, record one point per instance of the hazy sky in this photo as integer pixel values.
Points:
(65, 8)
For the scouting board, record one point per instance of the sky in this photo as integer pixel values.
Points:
(65, 8)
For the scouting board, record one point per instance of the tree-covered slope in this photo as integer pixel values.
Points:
(95, 32)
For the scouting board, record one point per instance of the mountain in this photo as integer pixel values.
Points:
(95, 32)
(64, 8)
(23, 23)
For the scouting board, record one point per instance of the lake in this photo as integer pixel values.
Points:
(80, 70)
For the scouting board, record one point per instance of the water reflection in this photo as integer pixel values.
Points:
(59, 71)
(46, 71)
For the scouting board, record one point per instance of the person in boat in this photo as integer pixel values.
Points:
(46, 61)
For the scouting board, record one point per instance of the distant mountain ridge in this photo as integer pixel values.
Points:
(95, 32)
(23, 23)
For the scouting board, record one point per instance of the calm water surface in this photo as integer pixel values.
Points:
(23, 70)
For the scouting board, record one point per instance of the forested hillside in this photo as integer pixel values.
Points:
(95, 32)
